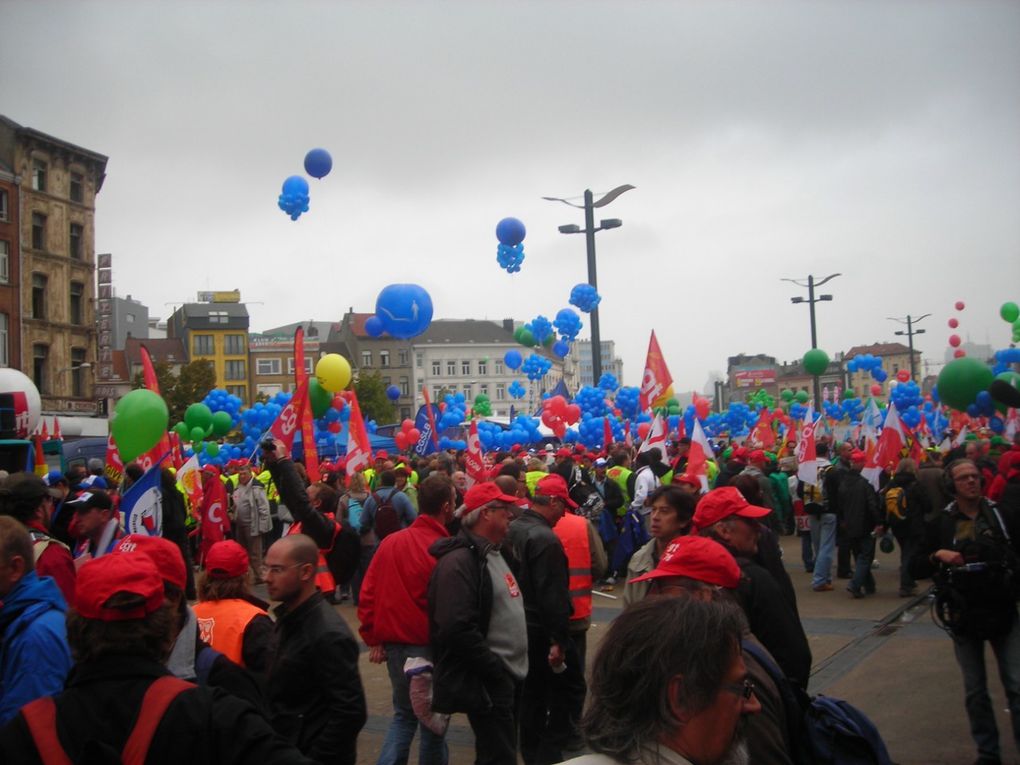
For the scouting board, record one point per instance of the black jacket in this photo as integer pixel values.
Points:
(918, 506)
(940, 534)
(460, 606)
(858, 505)
(97, 709)
(313, 689)
(544, 576)
(613, 496)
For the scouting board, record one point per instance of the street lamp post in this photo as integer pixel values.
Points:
(910, 332)
(589, 234)
(811, 300)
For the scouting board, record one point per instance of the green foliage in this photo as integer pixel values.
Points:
(375, 405)
(180, 391)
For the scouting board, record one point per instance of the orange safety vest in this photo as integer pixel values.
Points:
(323, 578)
(572, 531)
(221, 624)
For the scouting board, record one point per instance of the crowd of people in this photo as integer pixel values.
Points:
(477, 595)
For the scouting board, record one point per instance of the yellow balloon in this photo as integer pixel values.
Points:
(333, 372)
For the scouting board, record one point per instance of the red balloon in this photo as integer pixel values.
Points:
(413, 435)
(959, 305)
(400, 438)
(876, 390)
(572, 413)
(959, 353)
(642, 430)
(702, 408)
(560, 430)
(903, 375)
(334, 427)
(407, 424)
(953, 323)
(338, 402)
(954, 340)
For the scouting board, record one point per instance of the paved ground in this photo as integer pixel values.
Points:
(882, 653)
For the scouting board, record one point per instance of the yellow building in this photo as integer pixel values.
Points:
(895, 356)
(217, 331)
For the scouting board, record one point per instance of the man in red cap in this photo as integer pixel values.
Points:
(121, 703)
(726, 516)
(545, 582)
(477, 624)
(230, 619)
(861, 520)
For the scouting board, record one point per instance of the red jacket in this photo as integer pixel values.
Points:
(55, 561)
(393, 607)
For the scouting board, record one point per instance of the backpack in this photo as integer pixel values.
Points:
(354, 508)
(895, 504)
(386, 519)
(589, 502)
(823, 730)
(814, 494)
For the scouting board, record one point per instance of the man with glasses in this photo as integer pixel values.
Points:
(981, 603)
(313, 688)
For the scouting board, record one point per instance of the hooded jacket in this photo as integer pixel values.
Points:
(34, 655)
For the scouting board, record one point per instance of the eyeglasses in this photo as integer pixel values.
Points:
(968, 477)
(744, 689)
(276, 570)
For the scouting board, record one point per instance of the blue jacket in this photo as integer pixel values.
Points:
(34, 655)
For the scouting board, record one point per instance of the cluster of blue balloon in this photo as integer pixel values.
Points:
(454, 412)
(866, 362)
(510, 254)
(627, 401)
(218, 400)
(737, 420)
(536, 367)
(402, 311)
(516, 390)
(848, 408)
(523, 430)
(1004, 358)
(592, 402)
(983, 406)
(906, 395)
(568, 324)
(540, 327)
(591, 431)
(608, 382)
(585, 297)
(294, 198)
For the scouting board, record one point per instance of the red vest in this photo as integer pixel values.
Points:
(221, 624)
(573, 533)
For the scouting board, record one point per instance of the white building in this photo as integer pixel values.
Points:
(610, 363)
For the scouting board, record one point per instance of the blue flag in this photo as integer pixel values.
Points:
(425, 443)
(142, 504)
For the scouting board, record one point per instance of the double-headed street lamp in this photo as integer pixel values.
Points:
(589, 233)
(910, 332)
(811, 300)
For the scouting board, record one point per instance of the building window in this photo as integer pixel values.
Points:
(269, 390)
(483, 369)
(366, 358)
(78, 372)
(498, 368)
(465, 368)
(77, 191)
(4, 324)
(501, 391)
(38, 231)
(38, 175)
(405, 413)
(233, 345)
(467, 392)
(405, 387)
(234, 370)
(203, 345)
(290, 365)
(5, 261)
(218, 317)
(40, 376)
(437, 368)
(402, 356)
(4, 210)
(39, 296)
(419, 360)
(384, 358)
(240, 391)
(436, 390)
(451, 368)
(77, 303)
(76, 238)
(483, 389)
(267, 366)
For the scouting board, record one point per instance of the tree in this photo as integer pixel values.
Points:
(371, 392)
(179, 391)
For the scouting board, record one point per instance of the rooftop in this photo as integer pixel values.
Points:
(879, 349)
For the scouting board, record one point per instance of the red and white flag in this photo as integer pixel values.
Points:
(114, 469)
(892, 440)
(960, 437)
(359, 447)
(151, 382)
(807, 456)
(1012, 425)
(656, 384)
(607, 432)
(287, 422)
(656, 438)
(474, 463)
(699, 455)
(305, 414)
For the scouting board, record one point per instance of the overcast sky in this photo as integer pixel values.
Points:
(766, 140)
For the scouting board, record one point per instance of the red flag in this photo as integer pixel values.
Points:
(763, 432)
(474, 464)
(628, 440)
(56, 429)
(892, 440)
(41, 468)
(151, 382)
(807, 454)
(305, 415)
(431, 415)
(656, 385)
(607, 432)
(699, 455)
(45, 432)
(359, 447)
(114, 469)
(286, 424)
(215, 521)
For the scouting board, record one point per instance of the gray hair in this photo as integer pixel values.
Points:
(650, 643)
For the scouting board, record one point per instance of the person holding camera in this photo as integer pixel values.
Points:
(972, 551)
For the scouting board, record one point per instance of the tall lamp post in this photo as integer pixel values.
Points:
(590, 203)
(811, 300)
(910, 332)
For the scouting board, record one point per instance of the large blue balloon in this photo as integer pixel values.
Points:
(318, 163)
(510, 231)
(405, 310)
(513, 359)
(392, 393)
(294, 185)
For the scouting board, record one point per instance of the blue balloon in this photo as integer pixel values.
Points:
(295, 185)
(513, 360)
(561, 348)
(405, 310)
(373, 326)
(510, 232)
(318, 163)
(392, 392)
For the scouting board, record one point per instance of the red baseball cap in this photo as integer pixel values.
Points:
(484, 493)
(756, 456)
(688, 479)
(382, 455)
(106, 576)
(211, 468)
(720, 504)
(226, 560)
(554, 485)
(858, 456)
(564, 452)
(698, 558)
(164, 554)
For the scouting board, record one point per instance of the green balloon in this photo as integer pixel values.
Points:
(786, 395)
(321, 398)
(527, 339)
(816, 361)
(961, 380)
(198, 416)
(1009, 312)
(1016, 325)
(197, 436)
(222, 422)
(517, 333)
(848, 394)
(212, 448)
(139, 421)
(181, 429)
(802, 397)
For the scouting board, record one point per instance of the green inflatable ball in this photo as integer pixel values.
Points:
(816, 361)
(222, 422)
(1009, 312)
(198, 416)
(212, 449)
(527, 339)
(181, 430)
(321, 398)
(197, 437)
(140, 420)
(847, 394)
(802, 397)
(786, 395)
(961, 380)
